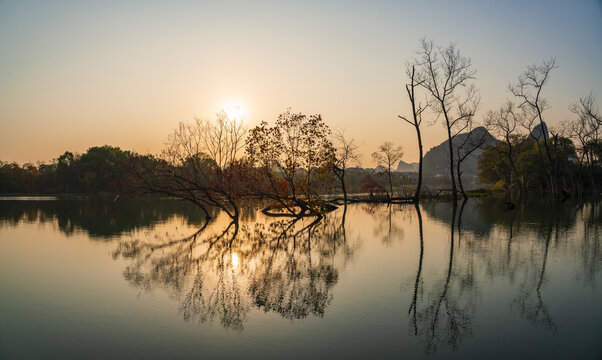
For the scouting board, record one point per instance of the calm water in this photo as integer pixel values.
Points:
(145, 279)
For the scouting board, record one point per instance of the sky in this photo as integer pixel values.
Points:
(76, 74)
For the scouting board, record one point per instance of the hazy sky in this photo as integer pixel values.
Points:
(75, 74)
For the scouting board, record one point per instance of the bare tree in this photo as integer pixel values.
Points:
(504, 123)
(388, 155)
(528, 89)
(416, 121)
(473, 141)
(448, 77)
(588, 115)
(222, 139)
(346, 154)
(199, 164)
(586, 128)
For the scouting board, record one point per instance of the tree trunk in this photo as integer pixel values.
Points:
(419, 184)
(460, 180)
(390, 184)
(591, 173)
(451, 156)
(344, 188)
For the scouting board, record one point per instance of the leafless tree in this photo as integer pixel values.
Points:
(589, 119)
(505, 124)
(528, 89)
(346, 154)
(473, 141)
(448, 77)
(388, 155)
(200, 163)
(586, 128)
(415, 122)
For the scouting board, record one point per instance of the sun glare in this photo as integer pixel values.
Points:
(234, 261)
(234, 112)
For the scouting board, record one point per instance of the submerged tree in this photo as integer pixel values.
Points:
(345, 155)
(200, 163)
(388, 155)
(294, 159)
(528, 89)
(448, 78)
(475, 139)
(586, 129)
(504, 123)
(415, 122)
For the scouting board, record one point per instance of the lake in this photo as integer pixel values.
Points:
(92, 278)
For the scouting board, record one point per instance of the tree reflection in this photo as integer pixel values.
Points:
(447, 318)
(221, 272)
(387, 227)
(283, 266)
(99, 217)
(417, 283)
(447, 315)
(517, 246)
(529, 300)
(589, 249)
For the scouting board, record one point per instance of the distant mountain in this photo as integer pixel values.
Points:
(538, 134)
(407, 167)
(380, 168)
(436, 160)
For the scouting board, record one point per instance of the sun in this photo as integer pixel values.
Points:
(234, 113)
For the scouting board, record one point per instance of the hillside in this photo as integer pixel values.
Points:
(407, 167)
(436, 160)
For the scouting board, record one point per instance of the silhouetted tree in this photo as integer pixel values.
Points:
(586, 129)
(415, 121)
(345, 155)
(475, 140)
(294, 159)
(504, 123)
(388, 155)
(448, 78)
(200, 163)
(528, 89)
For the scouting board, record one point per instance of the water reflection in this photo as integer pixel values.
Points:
(388, 220)
(287, 266)
(446, 314)
(454, 259)
(100, 218)
(442, 310)
(222, 270)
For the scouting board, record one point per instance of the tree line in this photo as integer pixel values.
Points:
(99, 169)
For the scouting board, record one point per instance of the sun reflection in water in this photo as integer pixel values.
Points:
(234, 261)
